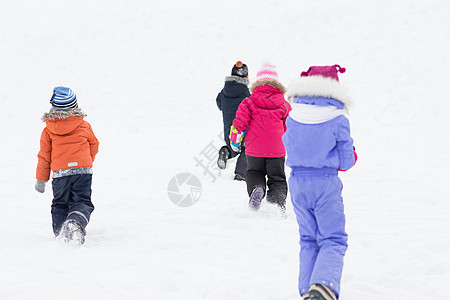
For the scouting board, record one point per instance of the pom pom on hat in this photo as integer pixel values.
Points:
(324, 71)
(63, 98)
(239, 69)
(267, 72)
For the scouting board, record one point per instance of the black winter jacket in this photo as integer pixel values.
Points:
(228, 100)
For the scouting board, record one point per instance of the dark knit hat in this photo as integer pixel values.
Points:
(63, 98)
(239, 69)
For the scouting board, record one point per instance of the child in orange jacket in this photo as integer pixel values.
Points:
(68, 148)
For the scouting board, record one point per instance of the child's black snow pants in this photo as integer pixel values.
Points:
(273, 167)
(71, 200)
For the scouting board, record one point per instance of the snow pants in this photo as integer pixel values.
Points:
(317, 200)
(272, 167)
(241, 163)
(71, 200)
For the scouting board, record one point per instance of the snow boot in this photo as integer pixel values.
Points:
(239, 177)
(72, 232)
(224, 154)
(321, 292)
(305, 296)
(256, 198)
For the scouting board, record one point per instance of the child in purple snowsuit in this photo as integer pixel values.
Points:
(318, 144)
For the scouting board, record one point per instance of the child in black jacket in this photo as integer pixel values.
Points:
(228, 100)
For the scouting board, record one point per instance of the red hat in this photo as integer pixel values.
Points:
(324, 71)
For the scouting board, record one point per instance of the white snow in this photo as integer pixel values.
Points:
(147, 74)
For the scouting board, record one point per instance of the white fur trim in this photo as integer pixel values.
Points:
(320, 87)
(314, 114)
(237, 79)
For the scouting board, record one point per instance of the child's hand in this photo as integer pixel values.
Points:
(40, 186)
(235, 147)
(236, 137)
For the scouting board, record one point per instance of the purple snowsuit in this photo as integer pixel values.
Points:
(316, 148)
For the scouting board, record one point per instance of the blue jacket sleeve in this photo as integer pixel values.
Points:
(345, 146)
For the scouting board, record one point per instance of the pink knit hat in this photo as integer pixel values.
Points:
(267, 72)
(324, 71)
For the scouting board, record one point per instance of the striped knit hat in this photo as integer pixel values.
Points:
(63, 98)
(267, 72)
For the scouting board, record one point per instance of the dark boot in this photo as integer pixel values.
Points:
(224, 155)
(321, 292)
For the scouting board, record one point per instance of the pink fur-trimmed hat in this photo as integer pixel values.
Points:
(324, 71)
(267, 72)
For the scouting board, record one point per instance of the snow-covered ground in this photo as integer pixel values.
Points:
(147, 74)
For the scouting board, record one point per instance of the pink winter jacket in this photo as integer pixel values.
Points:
(264, 115)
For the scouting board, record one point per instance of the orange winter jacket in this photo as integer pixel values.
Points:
(66, 142)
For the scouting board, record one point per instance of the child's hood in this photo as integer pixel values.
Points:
(318, 87)
(235, 86)
(268, 96)
(62, 122)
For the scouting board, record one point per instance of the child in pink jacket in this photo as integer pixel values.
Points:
(261, 118)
